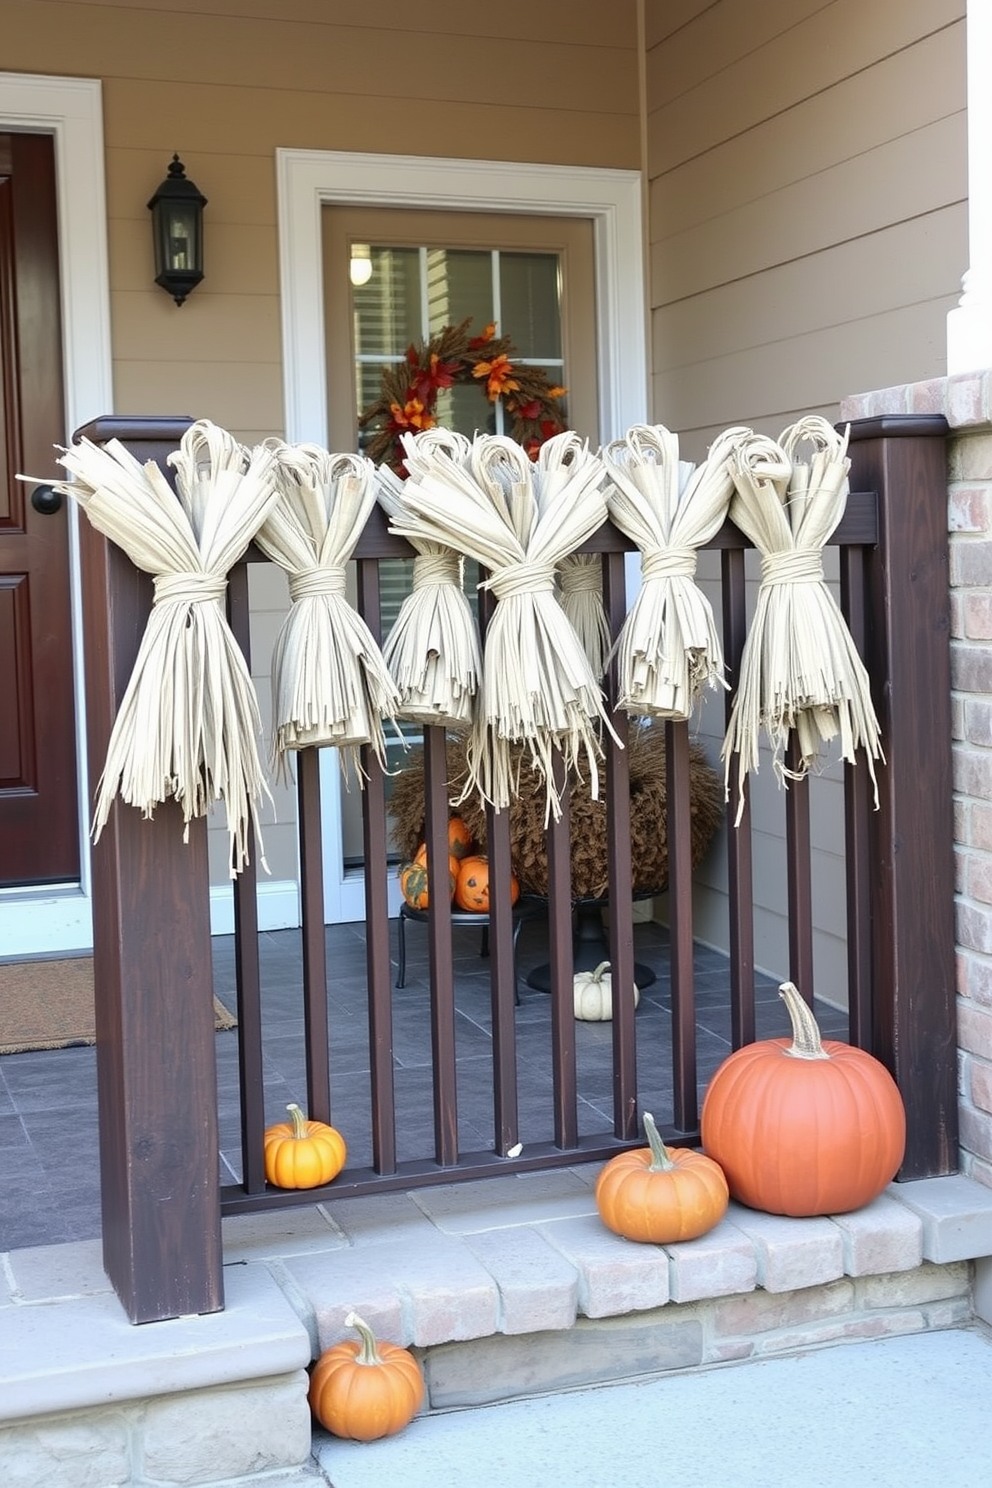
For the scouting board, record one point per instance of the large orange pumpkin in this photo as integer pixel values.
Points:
(804, 1127)
(661, 1194)
(365, 1390)
(472, 886)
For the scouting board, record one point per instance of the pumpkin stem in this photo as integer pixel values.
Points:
(601, 969)
(805, 1033)
(299, 1121)
(660, 1160)
(369, 1354)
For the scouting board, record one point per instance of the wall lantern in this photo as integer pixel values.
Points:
(177, 228)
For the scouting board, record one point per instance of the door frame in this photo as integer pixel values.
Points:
(59, 918)
(306, 180)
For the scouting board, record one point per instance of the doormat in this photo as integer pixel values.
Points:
(49, 1005)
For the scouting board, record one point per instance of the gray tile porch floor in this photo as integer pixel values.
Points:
(49, 1179)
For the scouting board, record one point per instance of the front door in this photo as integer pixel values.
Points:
(39, 821)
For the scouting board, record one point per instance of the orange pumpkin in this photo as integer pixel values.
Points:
(472, 888)
(367, 1389)
(413, 879)
(804, 1127)
(659, 1194)
(459, 838)
(301, 1153)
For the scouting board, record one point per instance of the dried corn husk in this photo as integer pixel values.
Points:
(580, 593)
(330, 684)
(188, 722)
(800, 669)
(433, 650)
(669, 648)
(519, 520)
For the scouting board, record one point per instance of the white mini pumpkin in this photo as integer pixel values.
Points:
(594, 994)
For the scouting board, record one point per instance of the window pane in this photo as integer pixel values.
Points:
(459, 287)
(531, 303)
(387, 308)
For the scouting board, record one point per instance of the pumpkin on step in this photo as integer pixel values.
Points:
(594, 994)
(804, 1127)
(659, 1194)
(364, 1390)
(301, 1153)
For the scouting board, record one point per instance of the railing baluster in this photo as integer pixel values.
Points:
(857, 829)
(314, 936)
(503, 982)
(562, 969)
(740, 878)
(799, 877)
(625, 1124)
(442, 974)
(680, 906)
(246, 956)
(383, 1089)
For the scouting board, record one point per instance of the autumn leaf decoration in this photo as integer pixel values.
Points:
(407, 401)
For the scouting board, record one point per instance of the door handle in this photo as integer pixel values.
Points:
(46, 500)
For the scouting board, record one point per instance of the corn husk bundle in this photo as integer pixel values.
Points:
(188, 723)
(580, 593)
(669, 648)
(800, 669)
(519, 520)
(433, 650)
(330, 684)
(587, 817)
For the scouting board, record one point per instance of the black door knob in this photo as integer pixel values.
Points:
(46, 500)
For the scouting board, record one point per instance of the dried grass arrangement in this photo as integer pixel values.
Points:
(528, 842)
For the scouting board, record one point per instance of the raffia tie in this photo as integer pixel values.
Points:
(580, 578)
(431, 569)
(190, 588)
(668, 563)
(802, 566)
(522, 578)
(309, 583)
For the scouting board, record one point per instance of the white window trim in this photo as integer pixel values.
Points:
(307, 180)
(71, 110)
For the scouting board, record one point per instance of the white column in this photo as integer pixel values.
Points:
(969, 326)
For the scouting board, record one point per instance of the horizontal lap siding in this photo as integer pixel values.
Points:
(807, 236)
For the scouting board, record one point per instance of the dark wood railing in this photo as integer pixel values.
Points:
(162, 1199)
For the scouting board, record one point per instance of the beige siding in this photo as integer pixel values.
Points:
(808, 234)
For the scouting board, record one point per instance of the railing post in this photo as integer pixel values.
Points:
(903, 459)
(156, 1073)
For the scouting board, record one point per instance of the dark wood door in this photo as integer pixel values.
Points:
(39, 824)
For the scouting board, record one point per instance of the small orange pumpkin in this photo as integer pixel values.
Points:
(459, 838)
(365, 1390)
(414, 879)
(301, 1153)
(472, 888)
(804, 1127)
(659, 1194)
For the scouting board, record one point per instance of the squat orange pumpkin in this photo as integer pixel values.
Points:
(659, 1194)
(803, 1128)
(302, 1153)
(472, 887)
(367, 1389)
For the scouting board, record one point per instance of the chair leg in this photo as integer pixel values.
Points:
(401, 946)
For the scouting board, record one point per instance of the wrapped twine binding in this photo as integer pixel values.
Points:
(188, 723)
(800, 669)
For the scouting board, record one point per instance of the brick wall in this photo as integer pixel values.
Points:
(966, 401)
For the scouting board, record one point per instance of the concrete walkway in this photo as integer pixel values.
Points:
(909, 1412)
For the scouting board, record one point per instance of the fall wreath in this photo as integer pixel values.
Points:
(407, 401)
